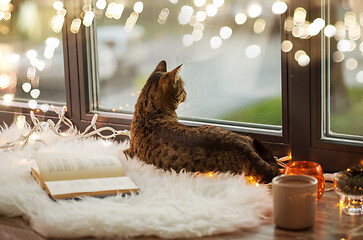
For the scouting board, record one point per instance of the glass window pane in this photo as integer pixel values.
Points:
(230, 51)
(32, 68)
(345, 69)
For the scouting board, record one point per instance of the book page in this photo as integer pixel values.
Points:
(54, 166)
(90, 187)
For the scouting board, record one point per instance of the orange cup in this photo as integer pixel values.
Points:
(307, 168)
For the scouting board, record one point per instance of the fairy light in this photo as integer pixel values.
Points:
(199, 3)
(4, 81)
(88, 18)
(351, 64)
(31, 54)
(254, 10)
(185, 14)
(76, 25)
(299, 16)
(298, 54)
(34, 93)
(131, 21)
(31, 73)
(197, 35)
(215, 42)
(32, 104)
(279, 7)
(20, 122)
(44, 107)
(303, 60)
(138, 6)
(252, 51)
(57, 23)
(218, 3)
(57, 5)
(211, 10)
(330, 31)
(286, 46)
(225, 32)
(201, 16)
(188, 40)
(26, 87)
(8, 99)
(240, 18)
(163, 15)
(101, 4)
(289, 24)
(338, 56)
(259, 25)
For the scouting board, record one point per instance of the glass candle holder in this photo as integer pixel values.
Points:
(351, 194)
(307, 168)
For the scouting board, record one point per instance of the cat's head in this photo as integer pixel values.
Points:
(164, 89)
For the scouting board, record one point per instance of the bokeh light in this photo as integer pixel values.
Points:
(252, 51)
(286, 46)
(240, 18)
(215, 42)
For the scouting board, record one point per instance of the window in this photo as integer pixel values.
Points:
(32, 68)
(313, 83)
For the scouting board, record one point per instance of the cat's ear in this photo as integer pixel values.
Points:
(161, 67)
(175, 73)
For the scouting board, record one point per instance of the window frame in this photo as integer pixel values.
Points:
(301, 98)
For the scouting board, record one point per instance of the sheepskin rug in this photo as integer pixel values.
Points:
(169, 204)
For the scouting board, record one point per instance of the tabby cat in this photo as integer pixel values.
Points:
(158, 138)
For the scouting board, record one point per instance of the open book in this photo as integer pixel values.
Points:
(70, 175)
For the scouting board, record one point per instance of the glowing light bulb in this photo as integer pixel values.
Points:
(240, 18)
(279, 7)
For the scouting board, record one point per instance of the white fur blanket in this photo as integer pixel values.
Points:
(169, 205)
